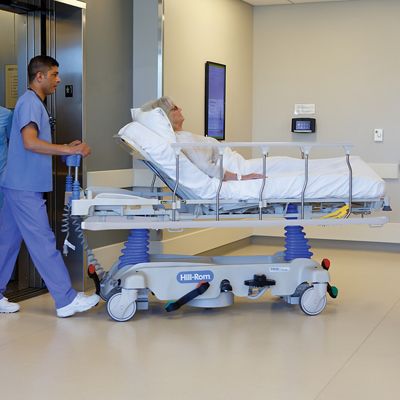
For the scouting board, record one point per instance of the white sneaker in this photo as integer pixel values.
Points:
(8, 307)
(79, 304)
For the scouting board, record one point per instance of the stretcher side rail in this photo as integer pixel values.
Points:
(305, 149)
(167, 209)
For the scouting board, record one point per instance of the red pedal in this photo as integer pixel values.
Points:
(325, 264)
(91, 269)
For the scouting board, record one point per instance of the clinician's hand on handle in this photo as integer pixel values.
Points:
(74, 143)
(80, 148)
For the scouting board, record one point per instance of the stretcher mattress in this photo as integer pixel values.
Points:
(327, 178)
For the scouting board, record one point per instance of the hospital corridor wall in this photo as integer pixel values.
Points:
(108, 52)
(193, 32)
(207, 30)
(196, 32)
(259, 45)
(332, 59)
(343, 59)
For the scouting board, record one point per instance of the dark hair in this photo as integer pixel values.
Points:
(40, 64)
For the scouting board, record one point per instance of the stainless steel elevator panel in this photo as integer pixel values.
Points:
(19, 27)
(67, 44)
(55, 28)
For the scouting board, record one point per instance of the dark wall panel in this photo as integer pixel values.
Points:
(109, 36)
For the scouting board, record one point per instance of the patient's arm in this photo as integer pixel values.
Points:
(252, 176)
(231, 176)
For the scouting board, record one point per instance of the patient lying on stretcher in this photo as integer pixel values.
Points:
(152, 135)
(206, 159)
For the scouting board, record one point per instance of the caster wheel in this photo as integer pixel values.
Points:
(120, 312)
(311, 302)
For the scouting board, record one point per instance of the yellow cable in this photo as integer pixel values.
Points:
(339, 213)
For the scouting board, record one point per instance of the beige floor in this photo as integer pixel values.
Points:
(262, 349)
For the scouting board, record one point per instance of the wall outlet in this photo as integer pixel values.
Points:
(378, 135)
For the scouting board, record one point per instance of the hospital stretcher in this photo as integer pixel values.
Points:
(214, 281)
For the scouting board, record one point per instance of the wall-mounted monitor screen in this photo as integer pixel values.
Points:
(215, 100)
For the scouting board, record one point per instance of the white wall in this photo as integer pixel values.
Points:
(342, 56)
(108, 43)
(209, 30)
(195, 32)
(146, 37)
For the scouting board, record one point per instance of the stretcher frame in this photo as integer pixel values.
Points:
(211, 282)
(121, 209)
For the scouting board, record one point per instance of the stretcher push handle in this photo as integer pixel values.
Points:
(73, 160)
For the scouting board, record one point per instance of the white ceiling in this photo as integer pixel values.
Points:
(275, 2)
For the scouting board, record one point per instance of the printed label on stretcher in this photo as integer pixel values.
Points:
(279, 269)
(195, 276)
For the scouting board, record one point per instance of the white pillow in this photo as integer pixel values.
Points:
(156, 120)
(163, 156)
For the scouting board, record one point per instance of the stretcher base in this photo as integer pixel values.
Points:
(171, 277)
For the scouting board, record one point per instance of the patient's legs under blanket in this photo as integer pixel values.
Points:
(235, 162)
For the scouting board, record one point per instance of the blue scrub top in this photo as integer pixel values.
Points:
(5, 125)
(26, 170)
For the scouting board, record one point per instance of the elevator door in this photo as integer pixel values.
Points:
(67, 48)
(27, 30)
(16, 45)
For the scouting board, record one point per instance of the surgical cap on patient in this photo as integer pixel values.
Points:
(165, 103)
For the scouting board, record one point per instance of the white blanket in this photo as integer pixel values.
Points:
(328, 178)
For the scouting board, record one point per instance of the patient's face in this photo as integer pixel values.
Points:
(176, 117)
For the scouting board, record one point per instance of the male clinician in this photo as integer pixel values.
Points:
(27, 176)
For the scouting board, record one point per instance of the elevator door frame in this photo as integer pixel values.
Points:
(37, 22)
(65, 40)
(28, 282)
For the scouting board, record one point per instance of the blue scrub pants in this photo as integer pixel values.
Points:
(24, 217)
(3, 158)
